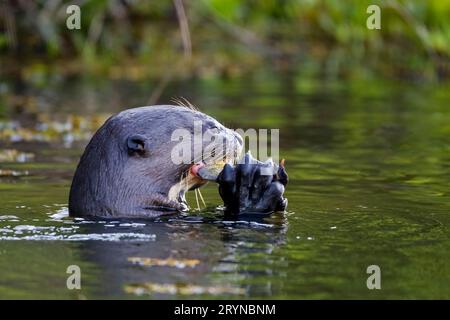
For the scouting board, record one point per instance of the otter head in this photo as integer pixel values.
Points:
(143, 160)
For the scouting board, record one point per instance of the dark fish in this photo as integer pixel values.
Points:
(251, 187)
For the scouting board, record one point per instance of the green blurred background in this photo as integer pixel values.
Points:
(216, 38)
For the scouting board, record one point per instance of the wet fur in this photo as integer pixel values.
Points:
(110, 182)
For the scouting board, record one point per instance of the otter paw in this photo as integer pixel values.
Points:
(253, 187)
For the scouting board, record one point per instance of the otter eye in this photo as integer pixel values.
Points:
(136, 144)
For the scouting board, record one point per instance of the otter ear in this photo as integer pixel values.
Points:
(136, 144)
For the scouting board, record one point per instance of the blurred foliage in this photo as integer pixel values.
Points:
(143, 39)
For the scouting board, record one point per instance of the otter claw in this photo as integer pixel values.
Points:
(253, 187)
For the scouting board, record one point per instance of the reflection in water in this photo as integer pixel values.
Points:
(217, 245)
(175, 253)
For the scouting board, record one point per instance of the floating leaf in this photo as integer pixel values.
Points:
(169, 262)
(13, 155)
(182, 289)
(12, 173)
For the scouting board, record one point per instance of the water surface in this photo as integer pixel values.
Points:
(369, 167)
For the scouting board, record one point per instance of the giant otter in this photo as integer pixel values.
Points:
(127, 169)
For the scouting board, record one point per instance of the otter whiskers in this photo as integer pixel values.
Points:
(201, 197)
(196, 199)
(183, 102)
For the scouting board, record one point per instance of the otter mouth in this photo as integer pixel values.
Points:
(197, 176)
(210, 163)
